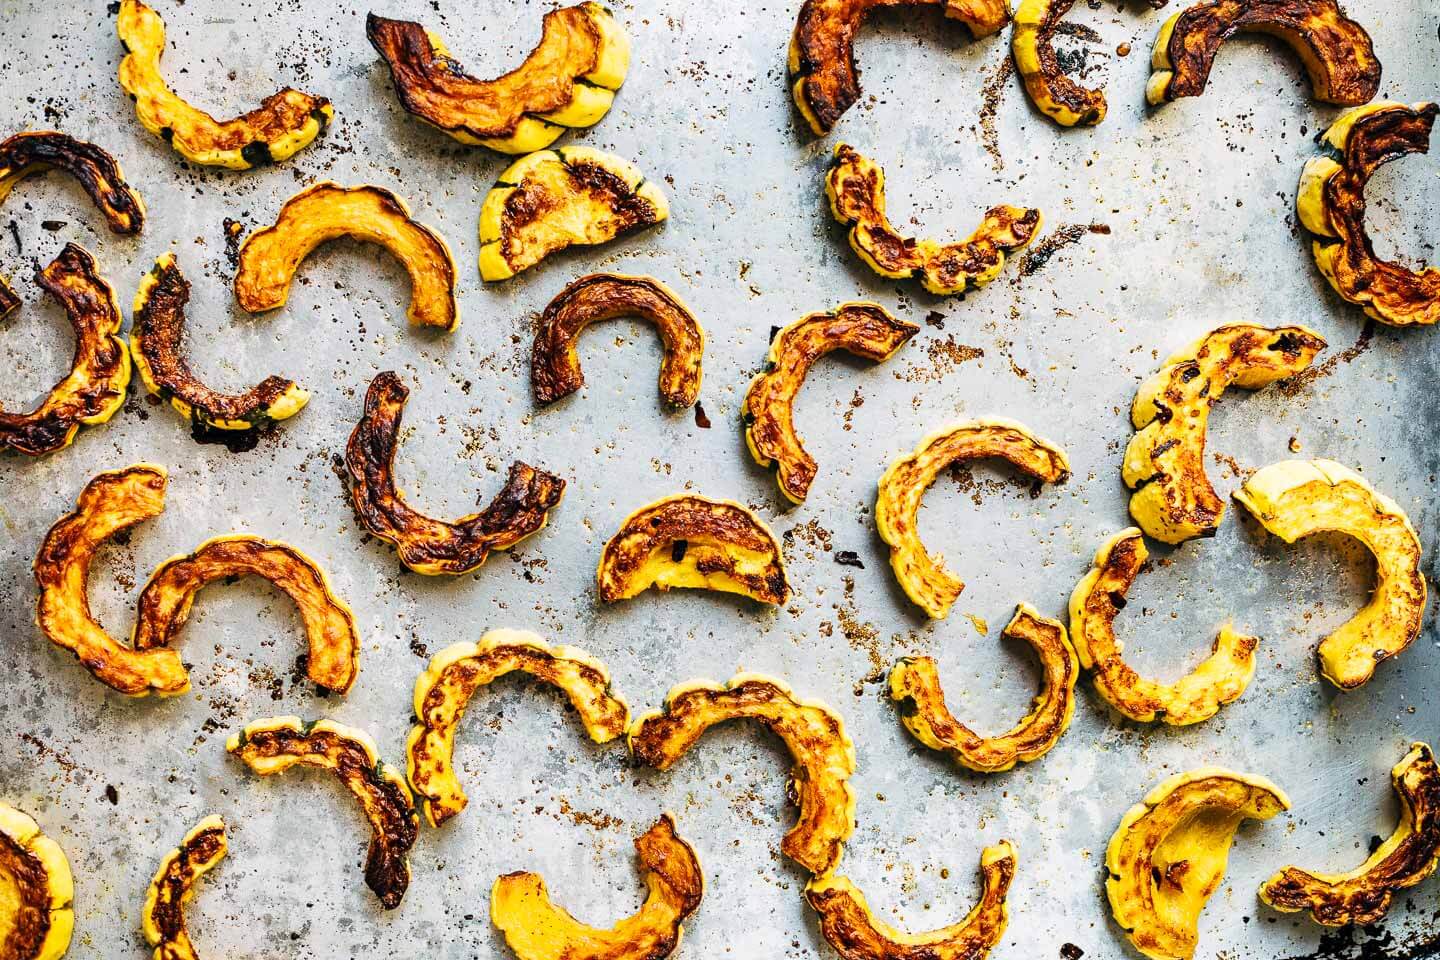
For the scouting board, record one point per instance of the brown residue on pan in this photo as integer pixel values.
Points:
(1055, 241)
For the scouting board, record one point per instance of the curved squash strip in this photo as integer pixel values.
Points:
(270, 257)
(94, 389)
(37, 914)
(555, 366)
(1295, 498)
(1331, 204)
(1336, 51)
(276, 744)
(691, 541)
(163, 918)
(457, 673)
(553, 199)
(855, 186)
(1165, 460)
(812, 732)
(897, 504)
(282, 124)
(156, 335)
(536, 929)
(861, 329)
(1219, 679)
(426, 545)
(915, 686)
(568, 81)
(823, 77)
(856, 933)
(1052, 91)
(1169, 854)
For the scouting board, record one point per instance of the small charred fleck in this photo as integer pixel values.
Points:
(257, 153)
(848, 558)
(701, 420)
(1071, 952)
(52, 225)
(677, 550)
(1117, 600)
(113, 795)
(1286, 343)
(167, 134)
(1191, 371)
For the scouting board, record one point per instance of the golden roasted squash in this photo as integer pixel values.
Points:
(553, 199)
(282, 124)
(536, 929)
(1052, 91)
(270, 257)
(276, 744)
(814, 734)
(457, 673)
(37, 891)
(568, 81)
(163, 918)
(1297, 498)
(862, 329)
(1165, 460)
(897, 504)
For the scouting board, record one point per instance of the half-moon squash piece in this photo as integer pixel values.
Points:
(270, 257)
(276, 744)
(814, 734)
(1295, 498)
(1165, 460)
(426, 545)
(861, 329)
(37, 891)
(1170, 852)
(897, 504)
(163, 918)
(1054, 93)
(537, 929)
(457, 673)
(284, 122)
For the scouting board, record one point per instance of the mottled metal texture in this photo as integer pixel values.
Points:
(1198, 198)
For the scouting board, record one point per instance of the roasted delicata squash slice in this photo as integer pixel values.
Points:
(691, 541)
(1170, 851)
(1296, 498)
(555, 365)
(568, 81)
(457, 673)
(1165, 460)
(1331, 204)
(1336, 51)
(537, 929)
(1051, 89)
(553, 199)
(897, 505)
(855, 186)
(270, 257)
(856, 933)
(284, 123)
(37, 891)
(862, 329)
(163, 918)
(276, 744)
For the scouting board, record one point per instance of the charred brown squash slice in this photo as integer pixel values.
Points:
(426, 545)
(276, 744)
(37, 891)
(282, 124)
(163, 918)
(1054, 93)
(862, 329)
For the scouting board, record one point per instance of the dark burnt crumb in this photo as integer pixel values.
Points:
(677, 550)
(112, 794)
(935, 319)
(236, 441)
(701, 420)
(1293, 385)
(418, 647)
(848, 558)
(50, 226)
(233, 231)
(1071, 952)
(15, 233)
(1058, 239)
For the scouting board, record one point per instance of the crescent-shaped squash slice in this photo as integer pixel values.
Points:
(37, 891)
(856, 933)
(282, 124)
(1336, 51)
(1331, 204)
(897, 504)
(823, 77)
(1050, 88)
(94, 389)
(1295, 498)
(915, 686)
(861, 329)
(457, 673)
(553, 199)
(270, 257)
(1409, 855)
(276, 744)
(1170, 851)
(691, 541)
(520, 509)
(163, 918)
(536, 929)
(568, 81)
(555, 365)
(1219, 679)
(812, 732)
(1165, 460)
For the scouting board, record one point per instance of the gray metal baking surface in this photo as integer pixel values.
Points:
(1198, 199)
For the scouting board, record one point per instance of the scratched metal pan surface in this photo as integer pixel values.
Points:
(1198, 200)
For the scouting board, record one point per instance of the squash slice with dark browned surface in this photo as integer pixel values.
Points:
(1050, 88)
(37, 891)
(162, 919)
